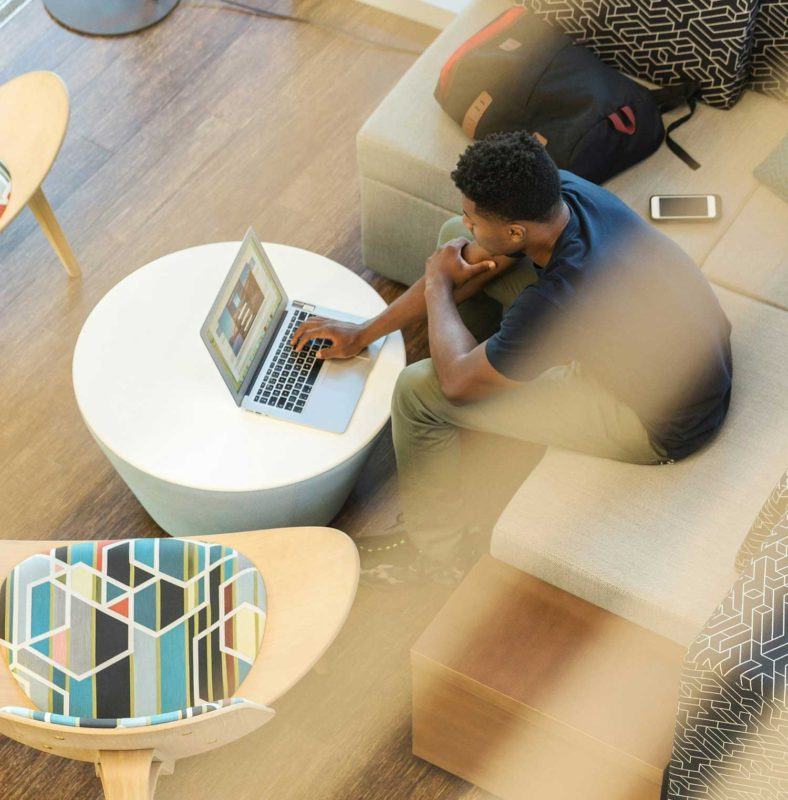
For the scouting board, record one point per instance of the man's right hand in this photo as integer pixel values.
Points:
(347, 338)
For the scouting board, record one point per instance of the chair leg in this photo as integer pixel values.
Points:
(128, 774)
(42, 211)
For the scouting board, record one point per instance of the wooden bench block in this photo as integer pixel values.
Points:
(528, 691)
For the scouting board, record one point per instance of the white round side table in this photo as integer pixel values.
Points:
(159, 410)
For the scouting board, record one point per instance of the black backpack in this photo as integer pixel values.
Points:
(520, 73)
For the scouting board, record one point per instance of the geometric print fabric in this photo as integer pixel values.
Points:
(769, 55)
(767, 521)
(731, 735)
(664, 41)
(131, 722)
(122, 630)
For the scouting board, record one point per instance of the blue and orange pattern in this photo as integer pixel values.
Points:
(131, 722)
(131, 632)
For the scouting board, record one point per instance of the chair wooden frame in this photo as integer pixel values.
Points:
(311, 575)
(34, 112)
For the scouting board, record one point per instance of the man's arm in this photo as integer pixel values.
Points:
(411, 306)
(349, 339)
(463, 370)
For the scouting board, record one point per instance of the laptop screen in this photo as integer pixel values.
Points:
(244, 314)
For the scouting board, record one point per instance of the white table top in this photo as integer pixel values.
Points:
(150, 393)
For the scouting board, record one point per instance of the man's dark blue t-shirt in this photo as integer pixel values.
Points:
(631, 306)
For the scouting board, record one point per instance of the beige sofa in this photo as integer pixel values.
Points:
(655, 545)
(652, 545)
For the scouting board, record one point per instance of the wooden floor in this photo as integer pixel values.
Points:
(182, 135)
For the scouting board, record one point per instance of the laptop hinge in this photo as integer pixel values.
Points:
(304, 306)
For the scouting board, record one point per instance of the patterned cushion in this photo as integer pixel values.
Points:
(769, 517)
(731, 736)
(665, 40)
(769, 56)
(131, 630)
(129, 722)
(5, 187)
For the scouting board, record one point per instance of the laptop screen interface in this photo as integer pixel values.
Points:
(244, 312)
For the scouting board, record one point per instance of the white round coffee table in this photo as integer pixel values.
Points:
(159, 409)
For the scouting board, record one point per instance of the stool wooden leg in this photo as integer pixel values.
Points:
(42, 211)
(128, 774)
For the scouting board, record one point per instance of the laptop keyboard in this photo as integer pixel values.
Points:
(290, 377)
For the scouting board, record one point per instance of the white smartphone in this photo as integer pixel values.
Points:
(685, 206)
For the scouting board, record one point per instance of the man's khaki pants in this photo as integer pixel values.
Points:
(562, 407)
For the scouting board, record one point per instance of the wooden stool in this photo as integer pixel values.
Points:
(530, 692)
(310, 577)
(33, 120)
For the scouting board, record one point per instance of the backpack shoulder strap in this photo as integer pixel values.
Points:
(669, 97)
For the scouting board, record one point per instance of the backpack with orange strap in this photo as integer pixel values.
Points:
(520, 73)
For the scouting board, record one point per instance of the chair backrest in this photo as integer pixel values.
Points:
(133, 628)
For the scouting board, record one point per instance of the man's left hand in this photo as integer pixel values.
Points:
(446, 265)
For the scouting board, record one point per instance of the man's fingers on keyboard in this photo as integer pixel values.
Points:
(328, 352)
(302, 335)
(315, 332)
(307, 331)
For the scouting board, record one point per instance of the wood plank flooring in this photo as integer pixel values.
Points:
(181, 135)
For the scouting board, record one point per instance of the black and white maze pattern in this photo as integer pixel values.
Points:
(765, 524)
(664, 41)
(769, 56)
(731, 736)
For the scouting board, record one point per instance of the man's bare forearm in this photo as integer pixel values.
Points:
(449, 338)
(461, 364)
(474, 253)
(411, 306)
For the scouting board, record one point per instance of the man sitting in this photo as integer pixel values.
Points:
(611, 343)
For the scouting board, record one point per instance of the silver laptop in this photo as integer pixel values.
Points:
(248, 333)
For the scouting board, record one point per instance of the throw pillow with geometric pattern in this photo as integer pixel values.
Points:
(663, 41)
(769, 55)
(731, 735)
(773, 511)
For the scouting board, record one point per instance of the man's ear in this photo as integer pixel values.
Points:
(517, 232)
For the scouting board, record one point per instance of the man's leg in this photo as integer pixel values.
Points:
(482, 451)
(452, 229)
(562, 407)
(504, 289)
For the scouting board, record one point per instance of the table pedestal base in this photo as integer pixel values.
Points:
(109, 17)
(185, 511)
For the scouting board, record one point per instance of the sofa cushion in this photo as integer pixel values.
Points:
(773, 170)
(731, 734)
(752, 256)
(410, 144)
(769, 54)
(656, 545)
(663, 41)
(138, 628)
(729, 145)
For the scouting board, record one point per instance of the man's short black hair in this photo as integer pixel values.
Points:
(511, 176)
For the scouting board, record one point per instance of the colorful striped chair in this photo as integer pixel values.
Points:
(130, 653)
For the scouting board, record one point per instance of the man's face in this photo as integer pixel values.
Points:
(496, 236)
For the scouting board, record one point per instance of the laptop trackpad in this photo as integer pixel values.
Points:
(345, 375)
